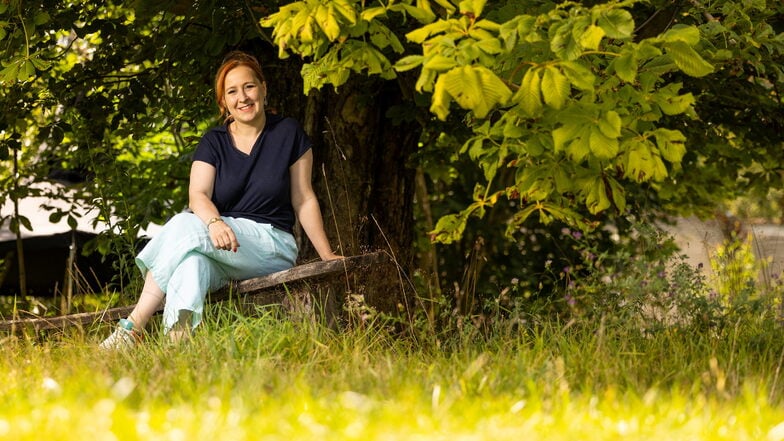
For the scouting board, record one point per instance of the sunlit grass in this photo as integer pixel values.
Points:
(282, 379)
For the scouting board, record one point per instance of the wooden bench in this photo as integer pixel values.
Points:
(264, 290)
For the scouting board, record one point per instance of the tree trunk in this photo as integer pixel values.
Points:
(360, 171)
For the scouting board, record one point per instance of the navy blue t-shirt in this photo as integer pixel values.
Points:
(256, 186)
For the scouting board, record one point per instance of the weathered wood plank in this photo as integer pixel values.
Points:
(306, 271)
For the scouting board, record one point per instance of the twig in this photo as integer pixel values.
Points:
(708, 16)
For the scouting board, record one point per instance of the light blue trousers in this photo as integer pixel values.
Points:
(186, 265)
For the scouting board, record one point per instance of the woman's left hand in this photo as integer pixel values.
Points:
(223, 236)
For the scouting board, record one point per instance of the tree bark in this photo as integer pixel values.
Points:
(360, 172)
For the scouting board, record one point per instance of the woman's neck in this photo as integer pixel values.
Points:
(251, 129)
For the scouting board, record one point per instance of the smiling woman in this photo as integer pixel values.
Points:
(250, 181)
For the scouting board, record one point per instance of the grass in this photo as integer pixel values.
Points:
(266, 378)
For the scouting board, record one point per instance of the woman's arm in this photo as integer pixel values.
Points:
(306, 206)
(200, 189)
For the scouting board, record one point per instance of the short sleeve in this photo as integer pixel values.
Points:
(206, 149)
(301, 145)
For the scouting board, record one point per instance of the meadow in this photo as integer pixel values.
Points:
(267, 377)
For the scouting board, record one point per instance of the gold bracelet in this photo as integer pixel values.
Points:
(212, 221)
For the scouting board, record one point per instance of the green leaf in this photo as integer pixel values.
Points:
(617, 193)
(555, 87)
(490, 46)
(39, 63)
(420, 35)
(671, 144)
(425, 80)
(616, 23)
(579, 75)
(382, 36)
(534, 183)
(10, 73)
(314, 76)
(41, 18)
(591, 37)
(563, 181)
(681, 33)
(408, 63)
(328, 22)
(580, 147)
(596, 196)
(529, 94)
(441, 99)
(602, 146)
(687, 59)
(473, 6)
(475, 88)
(370, 14)
(450, 227)
(518, 219)
(55, 216)
(642, 163)
(25, 222)
(563, 44)
(488, 25)
(626, 66)
(512, 128)
(422, 15)
(439, 63)
(565, 134)
(26, 70)
(673, 104)
(447, 5)
(610, 125)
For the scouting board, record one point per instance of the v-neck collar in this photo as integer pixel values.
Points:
(271, 120)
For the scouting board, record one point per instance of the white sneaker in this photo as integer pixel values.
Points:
(121, 339)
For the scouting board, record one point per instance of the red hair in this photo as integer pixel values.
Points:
(232, 60)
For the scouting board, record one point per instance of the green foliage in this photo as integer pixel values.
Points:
(114, 103)
(338, 37)
(736, 270)
(586, 112)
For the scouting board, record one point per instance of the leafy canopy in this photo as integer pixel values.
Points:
(584, 109)
(575, 111)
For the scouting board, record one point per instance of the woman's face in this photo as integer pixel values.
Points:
(244, 95)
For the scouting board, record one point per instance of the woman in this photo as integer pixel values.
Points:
(250, 177)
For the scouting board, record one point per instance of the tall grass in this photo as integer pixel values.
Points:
(271, 377)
